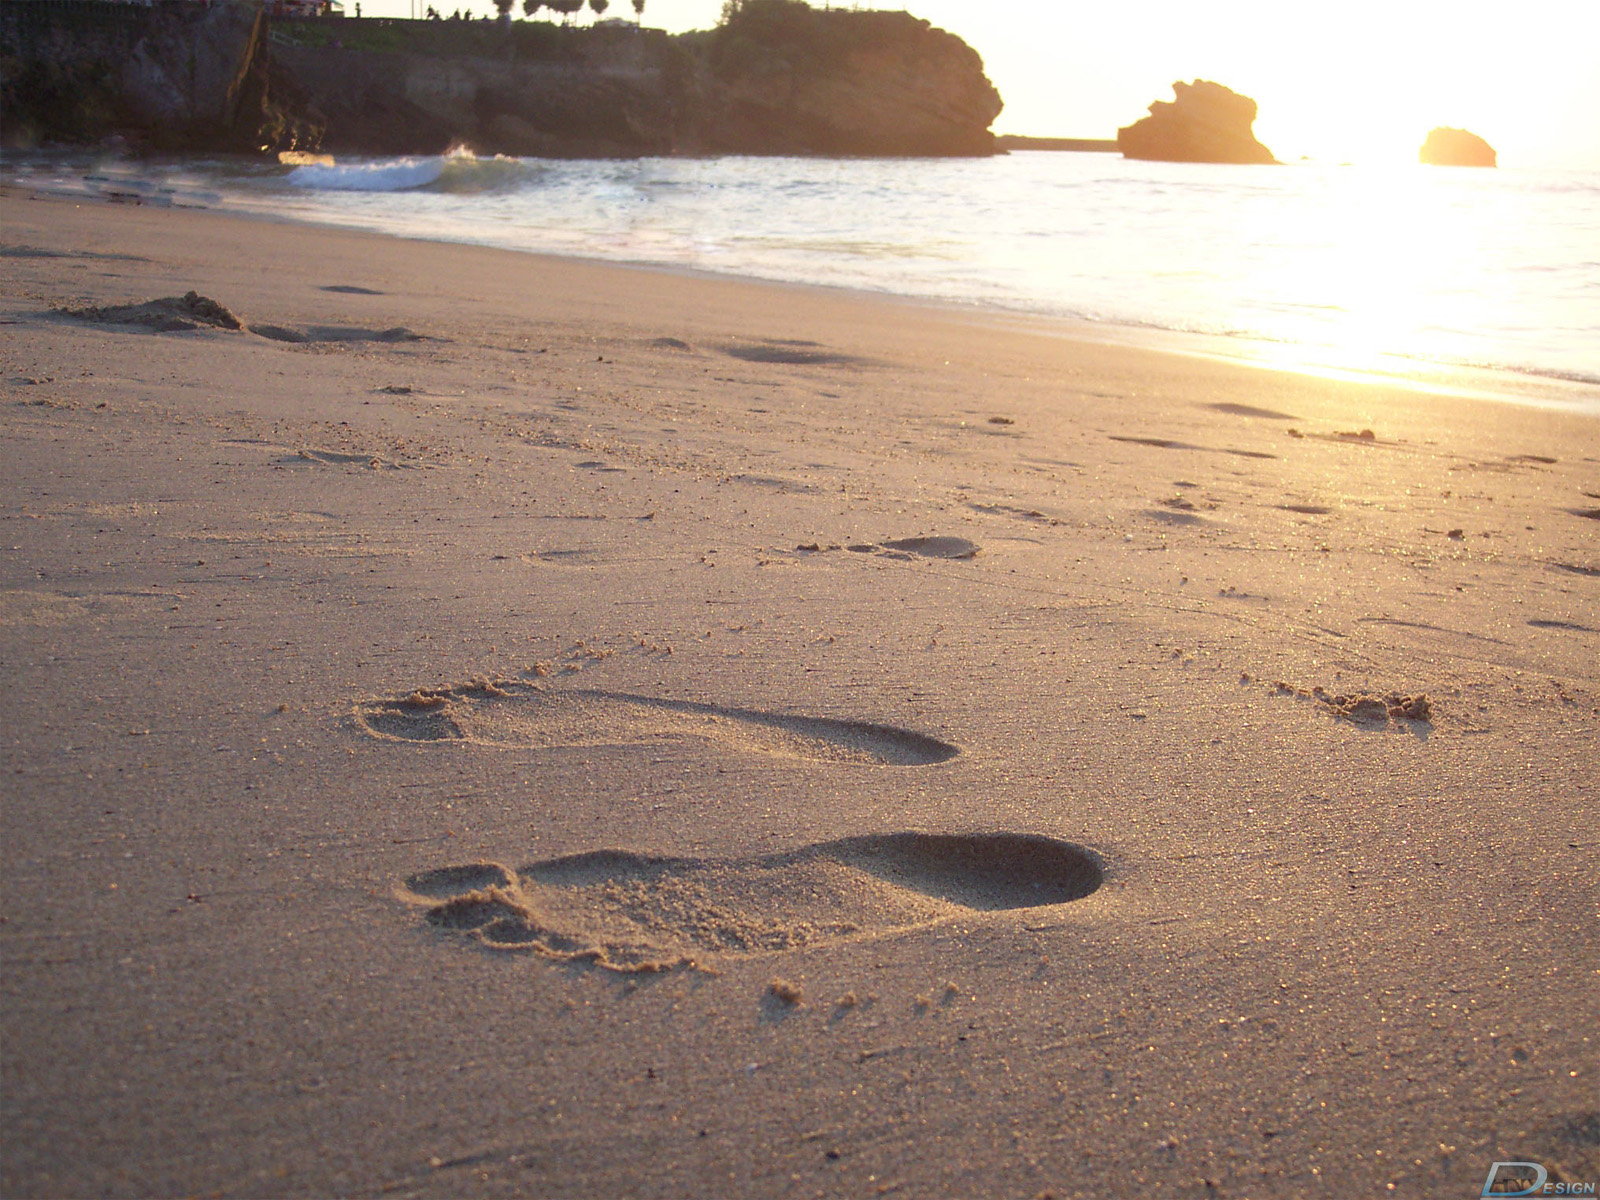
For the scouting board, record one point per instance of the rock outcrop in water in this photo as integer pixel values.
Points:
(1447, 147)
(778, 77)
(1206, 123)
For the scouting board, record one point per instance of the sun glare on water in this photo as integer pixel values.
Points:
(1387, 237)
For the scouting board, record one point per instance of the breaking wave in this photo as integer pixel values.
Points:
(458, 171)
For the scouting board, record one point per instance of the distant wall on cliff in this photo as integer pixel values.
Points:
(777, 78)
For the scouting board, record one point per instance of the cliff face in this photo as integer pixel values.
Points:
(789, 79)
(528, 90)
(171, 75)
(1446, 147)
(777, 78)
(1206, 123)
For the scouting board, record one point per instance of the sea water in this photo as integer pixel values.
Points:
(1487, 280)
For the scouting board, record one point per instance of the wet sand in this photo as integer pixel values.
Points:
(496, 725)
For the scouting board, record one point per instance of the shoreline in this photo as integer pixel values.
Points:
(502, 725)
(1527, 387)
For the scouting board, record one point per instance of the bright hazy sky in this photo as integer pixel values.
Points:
(1361, 80)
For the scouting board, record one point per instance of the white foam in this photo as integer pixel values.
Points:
(384, 175)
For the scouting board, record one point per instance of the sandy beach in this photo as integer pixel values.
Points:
(497, 725)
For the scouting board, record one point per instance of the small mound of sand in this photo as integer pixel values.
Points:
(170, 314)
(790, 993)
(1379, 709)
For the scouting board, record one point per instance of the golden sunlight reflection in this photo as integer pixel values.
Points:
(1388, 236)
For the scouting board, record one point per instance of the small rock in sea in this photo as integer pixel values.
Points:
(1448, 147)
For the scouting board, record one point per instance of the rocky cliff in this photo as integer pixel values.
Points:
(167, 76)
(1205, 123)
(777, 77)
(530, 88)
(785, 78)
(1446, 147)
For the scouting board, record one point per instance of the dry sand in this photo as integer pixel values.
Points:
(502, 726)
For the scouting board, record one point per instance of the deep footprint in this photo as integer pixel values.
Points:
(792, 353)
(935, 547)
(530, 716)
(631, 912)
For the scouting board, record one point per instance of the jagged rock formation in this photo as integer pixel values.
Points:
(777, 77)
(1447, 147)
(530, 88)
(789, 79)
(1206, 123)
(168, 76)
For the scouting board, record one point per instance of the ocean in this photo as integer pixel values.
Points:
(1482, 281)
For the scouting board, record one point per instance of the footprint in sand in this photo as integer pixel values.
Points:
(338, 458)
(633, 912)
(1170, 444)
(1310, 510)
(793, 353)
(522, 715)
(334, 333)
(922, 547)
(1251, 410)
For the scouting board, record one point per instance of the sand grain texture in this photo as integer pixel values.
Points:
(788, 660)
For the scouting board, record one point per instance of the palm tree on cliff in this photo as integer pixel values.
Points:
(599, 7)
(529, 7)
(638, 10)
(565, 7)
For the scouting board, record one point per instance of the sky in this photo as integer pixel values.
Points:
(1360, 81)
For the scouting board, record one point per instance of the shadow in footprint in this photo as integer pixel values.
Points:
(1570, 626)
(792, 353)
(334, 333)
(634, 912)
(1310, 510)
(1169, 444)
(1250, 410)
(935, 547)
(350, 289)
(511, 714)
